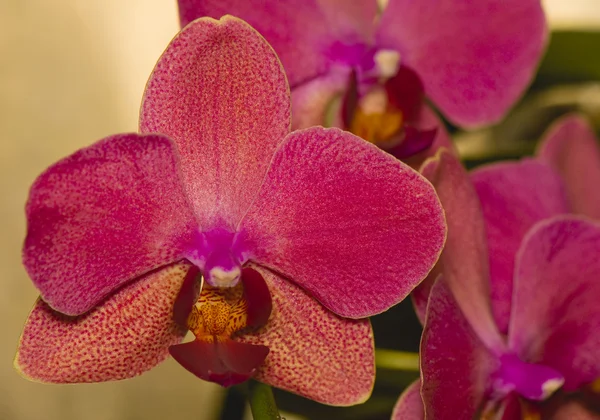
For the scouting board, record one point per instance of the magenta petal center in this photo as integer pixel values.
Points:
(530, 380)
(219, 254)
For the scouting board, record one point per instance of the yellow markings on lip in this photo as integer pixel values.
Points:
(218, 313)
(375, 119)
(376, 128)
(595, 387)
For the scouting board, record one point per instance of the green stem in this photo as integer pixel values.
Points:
(262, 402)
(396, 360)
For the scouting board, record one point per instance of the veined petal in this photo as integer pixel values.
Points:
(464, 261)
(475, 58)
(344, 220)
(126, 335)
(456, 366)
(559, 326)
(220, 93)
(313, 352)
(572, 148)
(410, 404)
(104, 216)
(514, 196)
(308, 35)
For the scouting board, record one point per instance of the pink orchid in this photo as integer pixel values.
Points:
(353, 67)
(292, 232)
(513, 315)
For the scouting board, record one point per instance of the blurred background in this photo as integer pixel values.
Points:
(73, 71)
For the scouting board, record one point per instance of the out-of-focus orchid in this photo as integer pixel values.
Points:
(353, 67)
(288, 230)
(471, 367)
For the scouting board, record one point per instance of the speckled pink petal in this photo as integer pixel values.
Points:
(455, 364)
(104, 216)
(344, 220)
(313, 352)
(317, 101)
(220, 93)
(308, 35)
(572, 148)
(410, 404)
(514, 196)
(474, 57)
(126, 335)
(555, 318)
(464, 261)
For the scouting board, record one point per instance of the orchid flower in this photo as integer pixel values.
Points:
(288, 231)
(496, 348)
(353, 67)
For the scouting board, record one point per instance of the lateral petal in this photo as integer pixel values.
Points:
(514, 196)
(124, 336)
(410, 404)
(103, 216)
(571, 147)
(347, 222)
(454, 360)
(475, 58)
(313, 352)
(464, 261)
(559, 326)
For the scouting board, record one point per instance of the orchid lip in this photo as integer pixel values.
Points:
(530, 380)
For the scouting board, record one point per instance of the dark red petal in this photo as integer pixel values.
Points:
(188, 294)
(414, 141)
(258, 297)
(226, 363)
(350, 100)
(405, 91)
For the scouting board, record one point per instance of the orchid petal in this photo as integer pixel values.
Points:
(464, 261)
(428, 120)
(559, 326)
(304, 338)
(220, 93)
(454, 361)
(514, 196)
(344, 220)
(475, 58)
(225, 362)
(308, 35)
(126, 335)
(410, 404)
(104, 216)
(258, 297)
(572, 148)
(314, 102)
(420, 296)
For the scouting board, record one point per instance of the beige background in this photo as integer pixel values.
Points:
(72, 72)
